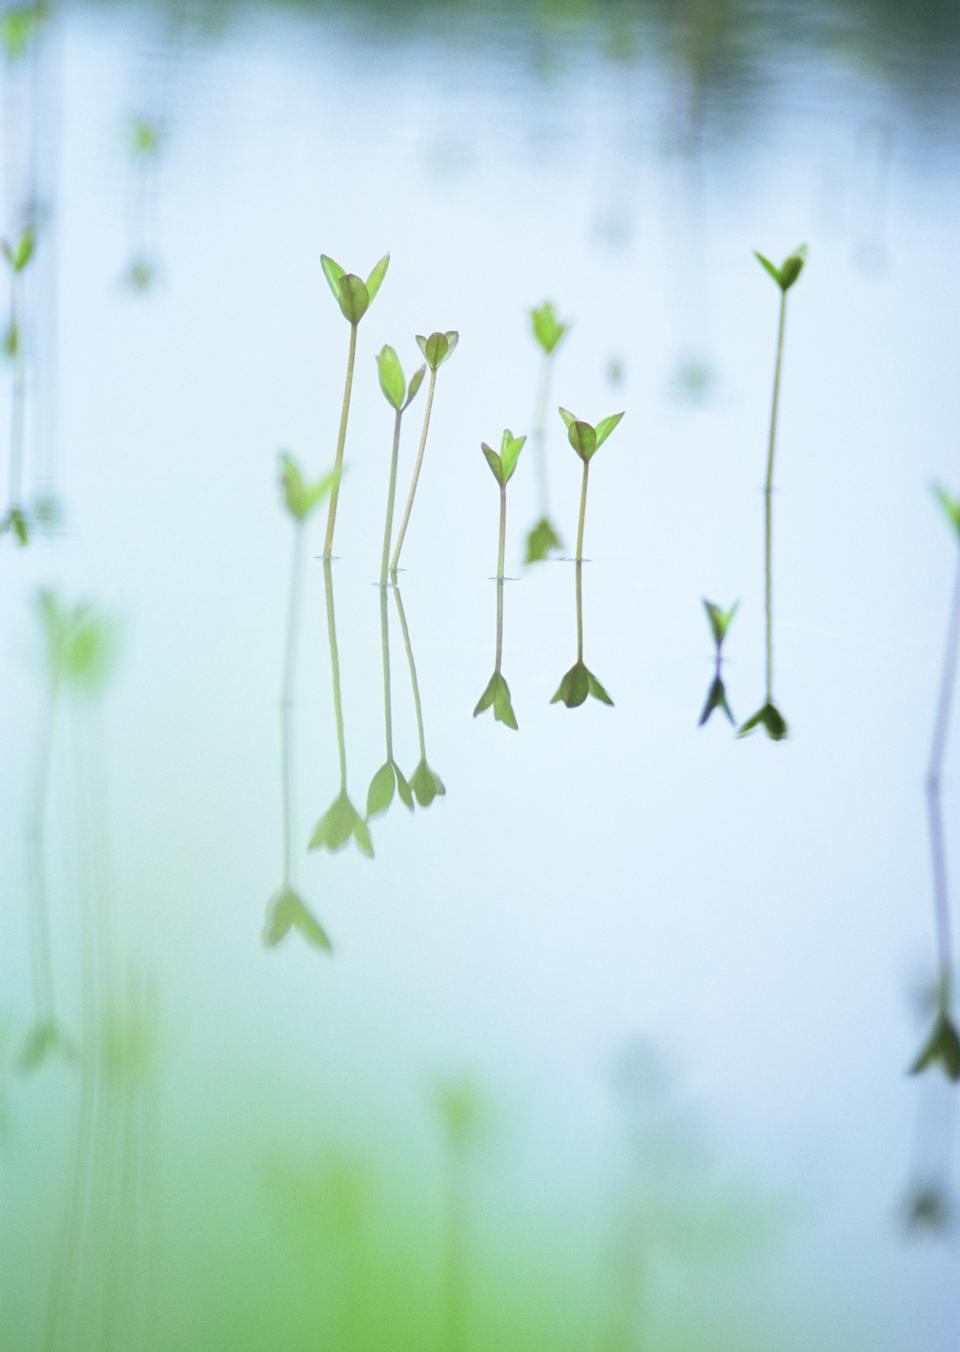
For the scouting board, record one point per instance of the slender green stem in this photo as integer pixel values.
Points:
(335, 672)
(391, 497)
(583, 510)
(540, 435)
(395, 561)
(768, 502)
(341, 442)
(18, 399)
(415, 685)
(286, 694)
(503, 531)
(941, 727)
(579, 567)
(385, 647)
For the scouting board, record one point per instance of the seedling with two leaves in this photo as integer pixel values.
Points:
(503, 464)
(399, 395)
(543, 539)
(18, 256)
(719, 621)
(437, 349)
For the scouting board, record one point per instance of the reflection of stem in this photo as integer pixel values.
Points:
(385, 645)
(18, 397)
(768, 500)
(503, 530)
(941, 727)
(499, 623)
(415, 685)
(335, 671)
(583, 510)
(540, 436)
(394, 563)
(391, 497)
(341, 441)
(40, 910)
(286, 695)
(579, 567)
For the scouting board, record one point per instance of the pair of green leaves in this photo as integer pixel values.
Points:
(941, 1048)
(353, 295)
(577, 684)
(19, 253)
(438, 347)
(397, 392)
(497, 697)
(789, 270)
(15, 521)
(716, 699)
(288, 911)
(586, 439)
(719, 620)
(79, 643)
(300, 497)
(503, 465)
(542, 539)
(770, 719)
(426, 784)
(548, 330)
(388, 779)
(20, 25)
(950, 505)
(338, 825)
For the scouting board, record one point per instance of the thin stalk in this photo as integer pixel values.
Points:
(768, 501)
(579, 566)
(540, 435)
(341, 442)
(391, 497)
(18, 399)
(335, 673)
(583, 510)
(414, 683)
(503, 531)
(941, 727)
(385, 646)
(499, 624)
(395, 561)
(286, 694)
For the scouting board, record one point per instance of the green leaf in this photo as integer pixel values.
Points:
(288, 911)
(719, 620)
(486, 699)
(361, 835)
(380, 793)
(404, 791)
(301, 498)
(765, 262)
(453, 338)
(493, 460)
(353, 297)
(337, 825)
(416, 380)
(792, 267)
(547, 329)
(391, 376)
(568, 418)
(375, 280)
(333, 272)
(510, 448)
(574, 688)
(583, 439)
(502, 706)
(17, 523)
(18, 254)
(942, 1046)
(716, 699)
(770, 719)
(597, 690)
(951, 506)
(542, 540)
(426, 784)
(605, 426)
(434, 348)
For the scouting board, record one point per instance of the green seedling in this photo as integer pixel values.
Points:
(719, 621)
(354, 298)
(146, 138)
(543, 539)
(425, 782)
(768, 716)
(502, 464)
(399, 395)
(341, 822)
(20, 26)
(18, 256)
(286, 909)
(942, 1046)
(437, 349)
(389, 779)
(586, 441)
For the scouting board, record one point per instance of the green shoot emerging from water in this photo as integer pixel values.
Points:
(768, 716)
(586, 441)
(354, 298)
(502, 464)
(549, 332)
(437, 349)
(719, 621)
(399, 396)
(18, 256)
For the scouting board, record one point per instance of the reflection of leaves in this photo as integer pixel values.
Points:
(288, 911)
(43, 1043)
(426, 784)
(300, 497)
(340, 822)
(17, 523)
(716, 699)
(497, 697)
(577, 684)
(542, 540)
(950, 505)
(389, 778)
(770, 719)
(941, 1047)
(547, 328)
(79, 643)
(929, 1208)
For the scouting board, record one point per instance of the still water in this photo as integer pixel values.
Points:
(610, 1049)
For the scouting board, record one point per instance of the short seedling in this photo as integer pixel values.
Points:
(502, 466)
(768, 716)
(549, 332)
(18, 256)
(399, 396)
(425, 782)
(719, 621)
(436, 349)
(943, 1044)
(354, 298)
(287, 910)
(586, 440)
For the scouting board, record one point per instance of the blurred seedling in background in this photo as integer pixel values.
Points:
(18, 256)
(586, 440)
(768, 716)
(20, 27)
(145, 138)
(354, 297)
(942, 1047)
(463, 1118)
(502, 465)
(543, 538)
(719, 621)
(287, 910)
(341, 822)
(425, 782)
(437, 349)
(399, 395)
